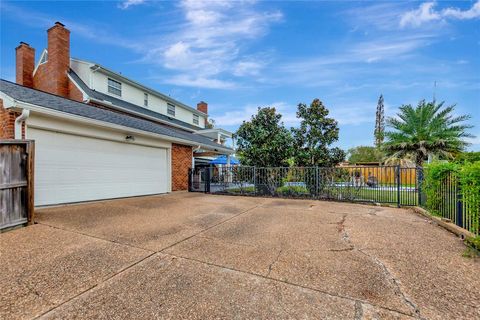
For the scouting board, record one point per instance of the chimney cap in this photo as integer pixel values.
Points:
(58, 23)
(23, 44)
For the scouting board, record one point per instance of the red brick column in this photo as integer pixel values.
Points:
(181, 162)
(7, 122)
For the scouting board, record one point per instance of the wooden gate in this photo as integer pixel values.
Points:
(16, 182)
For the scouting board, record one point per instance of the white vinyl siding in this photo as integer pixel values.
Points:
(171, 109)
(98, 81)
(114, 87)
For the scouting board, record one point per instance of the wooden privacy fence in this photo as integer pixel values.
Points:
(16, 182)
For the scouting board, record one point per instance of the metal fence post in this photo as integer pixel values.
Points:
(207, 180)
(459, 204)
(398, 185)
(255, 180)
(420, 184)
(316, 181)
(190, 180)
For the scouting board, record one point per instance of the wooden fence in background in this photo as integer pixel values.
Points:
(16, 182)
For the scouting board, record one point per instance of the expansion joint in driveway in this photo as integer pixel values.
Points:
(95, 237)
(303, 287)
(208, 228)
(96, 285)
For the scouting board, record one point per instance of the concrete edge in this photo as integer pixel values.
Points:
(460, 232)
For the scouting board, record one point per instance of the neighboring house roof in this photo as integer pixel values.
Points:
(127, 105)
(96, 66)
(54, 102)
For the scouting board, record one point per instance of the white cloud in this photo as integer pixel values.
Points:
(346, 113)
(201, 82)
(426, 13)
(472, 13)
(128, 3)
(211, 42)
(236, 117)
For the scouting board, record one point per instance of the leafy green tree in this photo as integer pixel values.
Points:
(264, 141)
(365, 154)
(428, 130)
(312, 139)
(471, 156)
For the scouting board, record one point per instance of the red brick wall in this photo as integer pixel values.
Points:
(181, 162)
(74, 93)
(7, 122)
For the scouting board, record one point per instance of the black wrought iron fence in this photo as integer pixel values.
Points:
(447, 199)
(381, 184)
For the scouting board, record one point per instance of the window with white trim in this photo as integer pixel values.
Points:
(114, 87)
(145, 99)
(171, 109)
(196, 119)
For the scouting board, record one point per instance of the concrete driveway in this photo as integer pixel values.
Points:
(199, 256)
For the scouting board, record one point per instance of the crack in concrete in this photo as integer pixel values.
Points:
(270, 267)
(388, 275)
(358, 310)
(341, 250)
(391, 278)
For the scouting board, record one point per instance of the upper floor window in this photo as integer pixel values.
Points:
(195, 119)
(145, 99)
(114, 87)
(171, 109)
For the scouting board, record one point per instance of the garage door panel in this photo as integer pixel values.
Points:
(71, 168)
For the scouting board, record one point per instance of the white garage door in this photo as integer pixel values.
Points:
(70, 168)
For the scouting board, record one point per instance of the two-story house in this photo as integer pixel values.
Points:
(99, 134)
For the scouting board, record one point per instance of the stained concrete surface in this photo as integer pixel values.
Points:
(201, 256)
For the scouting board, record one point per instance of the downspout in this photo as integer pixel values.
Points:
(18, 123)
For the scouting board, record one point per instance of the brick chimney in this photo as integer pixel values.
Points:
(51, 76)
(25, 63)
(58, 58)
(202, 107)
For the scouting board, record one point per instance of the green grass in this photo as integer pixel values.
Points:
(376, 195)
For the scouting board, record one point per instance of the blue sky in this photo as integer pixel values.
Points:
(244, 54)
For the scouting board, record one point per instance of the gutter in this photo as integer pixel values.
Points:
(18, 123)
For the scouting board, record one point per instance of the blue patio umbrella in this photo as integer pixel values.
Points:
(223, 160)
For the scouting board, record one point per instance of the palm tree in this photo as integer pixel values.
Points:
(425, 131)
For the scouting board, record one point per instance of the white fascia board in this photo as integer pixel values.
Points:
(215, 130)
(98, 123)
(44, 52)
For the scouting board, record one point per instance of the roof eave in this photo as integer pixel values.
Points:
(18, 104)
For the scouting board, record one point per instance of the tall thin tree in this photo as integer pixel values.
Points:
(379, 122)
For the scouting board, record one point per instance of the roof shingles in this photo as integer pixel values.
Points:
(61, 104)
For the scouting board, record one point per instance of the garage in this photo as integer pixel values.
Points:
(73, 168)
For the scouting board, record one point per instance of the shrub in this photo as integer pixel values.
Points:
(292, 191)
(435, 174)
